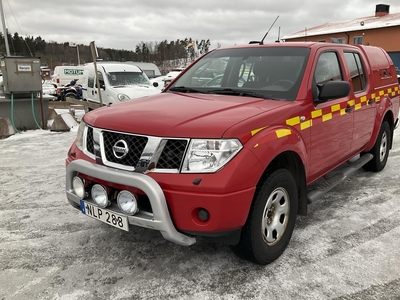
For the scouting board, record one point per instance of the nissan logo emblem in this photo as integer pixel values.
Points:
(120, 149)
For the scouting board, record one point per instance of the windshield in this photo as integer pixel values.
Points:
(265, 72)
(127, 78)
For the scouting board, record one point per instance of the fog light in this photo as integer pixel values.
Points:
(78, 184)
(100, 196)
(127, 203)
(203, 214)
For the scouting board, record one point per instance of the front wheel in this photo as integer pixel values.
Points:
(271, 220)
(380, 149)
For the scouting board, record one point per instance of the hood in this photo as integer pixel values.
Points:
(136, 91)
(180, 115)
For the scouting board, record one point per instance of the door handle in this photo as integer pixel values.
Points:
(370, 101)
(348, 109)
(92, 92)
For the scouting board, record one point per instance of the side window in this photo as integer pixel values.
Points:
(328, 68)
(91, 80)
(101, 79)
(357, 71)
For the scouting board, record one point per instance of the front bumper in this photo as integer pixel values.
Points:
(160, 219)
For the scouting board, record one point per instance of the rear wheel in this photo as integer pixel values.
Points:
(271, 220)
(71, 95)
(380, 149)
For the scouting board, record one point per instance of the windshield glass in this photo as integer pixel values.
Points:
(127, 78)
(266, 72)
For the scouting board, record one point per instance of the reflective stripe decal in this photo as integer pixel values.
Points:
(255, 131)
(283, 132)
(293, 121)
(333, 111)
(306, 124)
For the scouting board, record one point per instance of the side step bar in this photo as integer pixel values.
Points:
(342, 174)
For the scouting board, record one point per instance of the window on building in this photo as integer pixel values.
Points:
(322, 41)
(358, 40)
(357, 72)
(338, 40)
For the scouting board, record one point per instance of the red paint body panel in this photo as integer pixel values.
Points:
(322, 134)
(180, 115)
(226, 194)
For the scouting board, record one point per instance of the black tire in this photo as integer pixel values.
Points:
(71, 95)
(263, 240)
(380, 151)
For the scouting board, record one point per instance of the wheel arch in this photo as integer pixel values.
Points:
(291, 161)
(389, 117)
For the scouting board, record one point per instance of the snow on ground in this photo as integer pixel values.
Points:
(348, 247)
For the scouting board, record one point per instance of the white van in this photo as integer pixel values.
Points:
(150, 69)
(63, 75)
(118, 82)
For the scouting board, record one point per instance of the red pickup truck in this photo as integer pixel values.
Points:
(229, 149)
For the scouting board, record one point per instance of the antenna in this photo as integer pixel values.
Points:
(262, 41)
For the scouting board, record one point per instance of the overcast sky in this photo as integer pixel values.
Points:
(122, 24)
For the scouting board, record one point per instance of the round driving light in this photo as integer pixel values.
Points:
(127, 203)
(79, 187)
(99, 195)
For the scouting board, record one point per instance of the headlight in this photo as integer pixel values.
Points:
(123, 97)
(207, 156)
(79, 136)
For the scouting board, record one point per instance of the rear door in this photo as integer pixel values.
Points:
(364, 104)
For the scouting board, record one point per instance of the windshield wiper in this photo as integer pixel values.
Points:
(237, 93)
(184, 89)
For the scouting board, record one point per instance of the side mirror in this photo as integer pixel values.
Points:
(334, 90)
(102, 86)
(155, 84)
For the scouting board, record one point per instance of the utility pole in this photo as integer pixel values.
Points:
(95, 55)
(3, 23)
(77, 51)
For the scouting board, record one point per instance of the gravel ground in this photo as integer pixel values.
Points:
(348, 247)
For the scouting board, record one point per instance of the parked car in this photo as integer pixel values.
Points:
(63, 75)
(49, 88)
(217, 80)
(159, 80)
(118, 82)
(171, 75)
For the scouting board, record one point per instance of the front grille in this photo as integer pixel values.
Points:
(145, 152)
(135, 143)
(172, 155)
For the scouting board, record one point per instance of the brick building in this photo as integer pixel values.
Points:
(381, 29)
